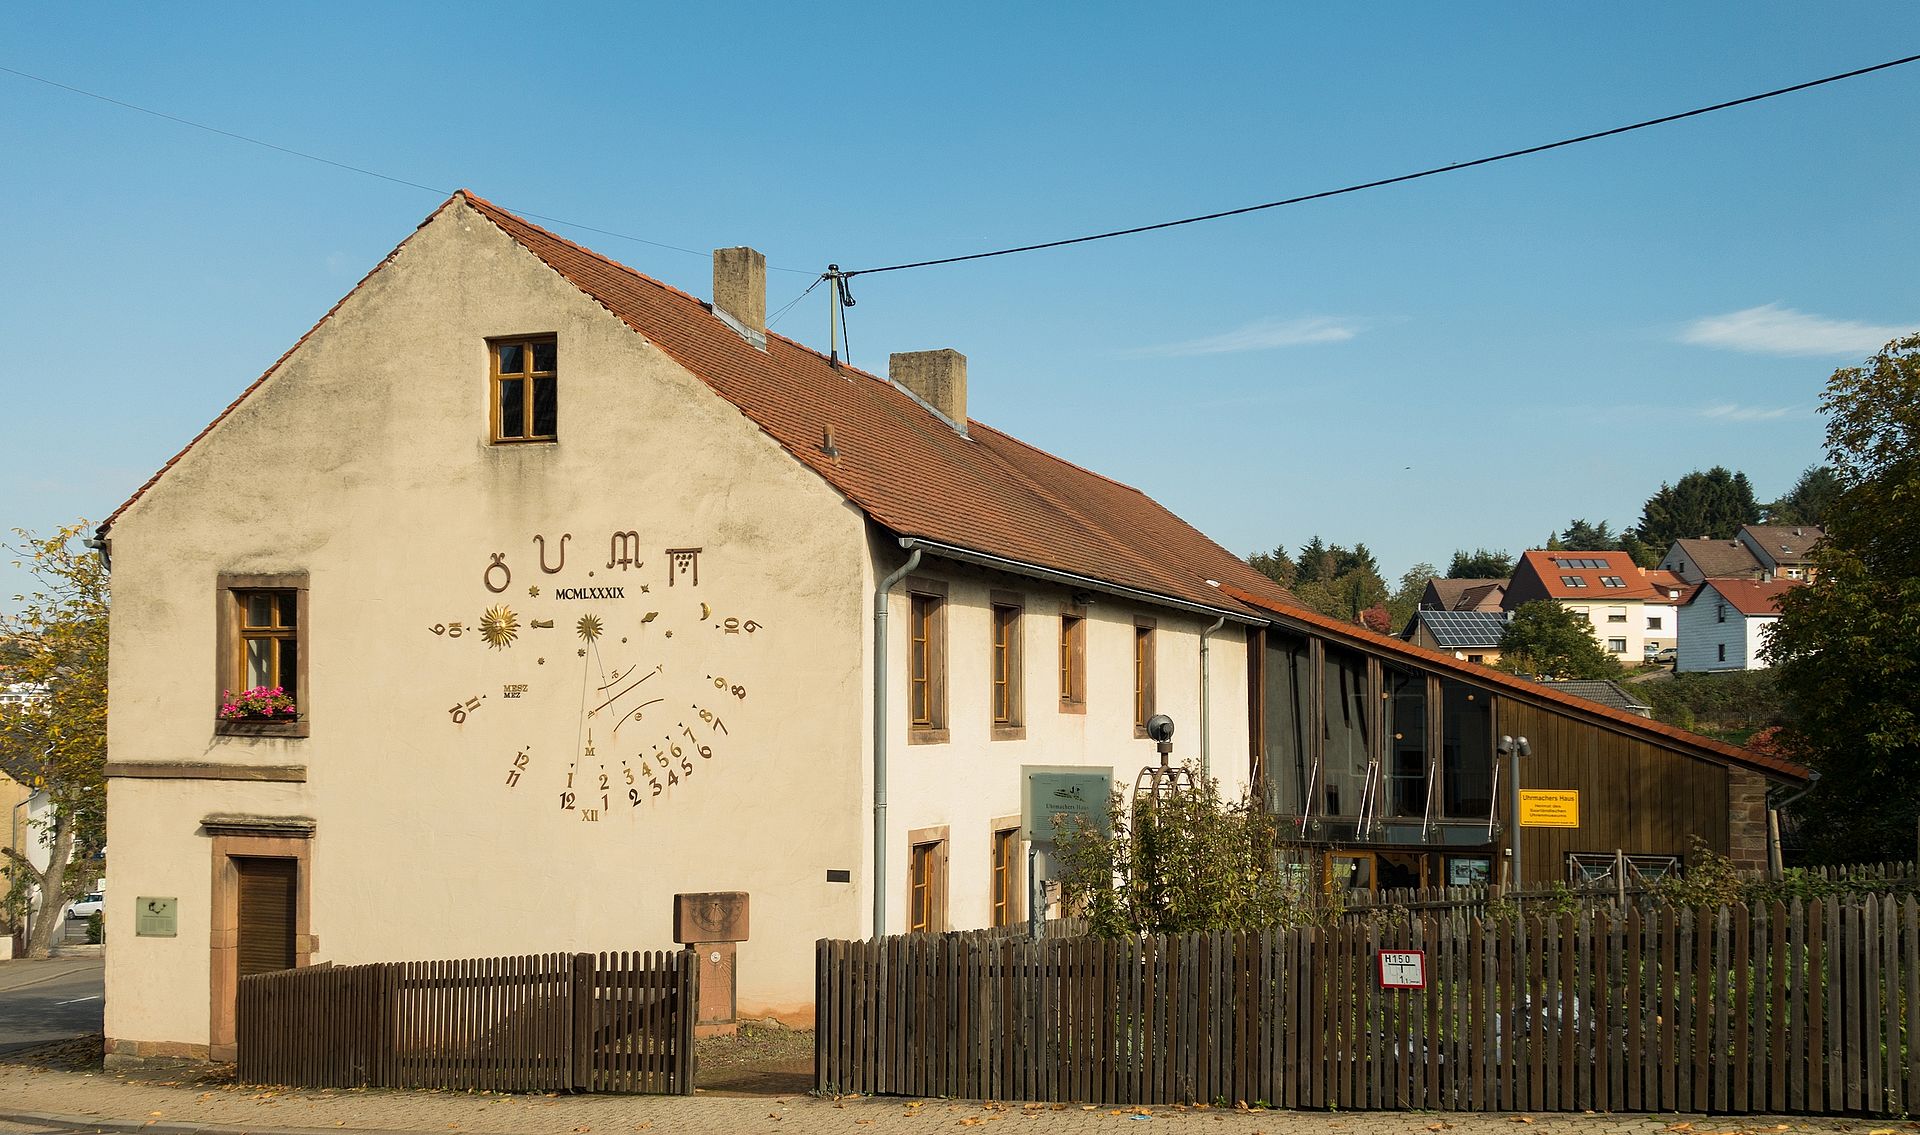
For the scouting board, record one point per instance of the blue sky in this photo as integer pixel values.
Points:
(1468, 360)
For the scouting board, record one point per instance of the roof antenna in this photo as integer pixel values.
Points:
(839, 300)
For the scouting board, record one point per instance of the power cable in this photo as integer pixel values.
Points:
(1663, 119)
(346, 166)
(789, 305)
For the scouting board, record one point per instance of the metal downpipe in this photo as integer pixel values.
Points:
(1206, 696)
(880, 675)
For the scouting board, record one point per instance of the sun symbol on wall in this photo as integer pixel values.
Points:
(588, 627)
(499, 627)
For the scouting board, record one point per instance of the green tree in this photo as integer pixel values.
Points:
(1315, 563)
(1481, 563)
(58, 743)
(1406, 598)
(1276, 565)
(1581, 536)
(1550, 641)
(1713, 504)
(1809, 499)
(1847, 646)
(1194, 861)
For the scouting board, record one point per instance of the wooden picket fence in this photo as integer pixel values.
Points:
(1809, 1008)
(612, 1022)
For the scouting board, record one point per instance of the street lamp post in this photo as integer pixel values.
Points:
(1513, 748)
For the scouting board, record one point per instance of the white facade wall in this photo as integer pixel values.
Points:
(1710, 642)
(364, 462)
(971, 783)
(1630, 628)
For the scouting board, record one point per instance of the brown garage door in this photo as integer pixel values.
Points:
(267, 892)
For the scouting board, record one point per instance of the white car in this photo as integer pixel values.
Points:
(90, 905)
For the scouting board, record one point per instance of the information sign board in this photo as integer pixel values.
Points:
(1403, 969)
(156, 917)
(1067, 793)
(1549, 807)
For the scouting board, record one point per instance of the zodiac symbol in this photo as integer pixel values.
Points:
(682, 561)
(499, 562)
(542, 541)
(623, 551)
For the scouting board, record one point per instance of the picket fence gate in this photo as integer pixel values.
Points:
(611, 1022)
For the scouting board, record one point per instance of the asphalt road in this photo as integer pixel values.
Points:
(50, 999)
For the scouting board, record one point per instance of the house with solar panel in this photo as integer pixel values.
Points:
(1470, 636)
(527, 602)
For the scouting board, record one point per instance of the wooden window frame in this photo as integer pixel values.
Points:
(1008, 908)
(1145, 648)
(933, 594)
(937, 842)
(1009, 655)
(230, 651)
(1072, 663)
(495, 378)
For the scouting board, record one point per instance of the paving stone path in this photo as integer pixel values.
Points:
(32, 1096)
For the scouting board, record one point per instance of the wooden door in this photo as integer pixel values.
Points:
(269, 892)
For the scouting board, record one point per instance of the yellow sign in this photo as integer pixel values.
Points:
(1549, 807)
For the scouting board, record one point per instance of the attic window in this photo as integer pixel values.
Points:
(1573, 581)
(1612, 581)
(524, 389)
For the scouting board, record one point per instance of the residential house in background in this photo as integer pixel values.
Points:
(1471, 636)
(1784, 551)
(1631, 608)
(1463, 594)
(1757, 551)
(1604, 692)
(1725, 622)
(1695, 561)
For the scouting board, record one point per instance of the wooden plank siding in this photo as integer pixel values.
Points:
(1809, 1009)
(1634, 795)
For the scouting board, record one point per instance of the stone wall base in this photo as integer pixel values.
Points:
(153, 1053)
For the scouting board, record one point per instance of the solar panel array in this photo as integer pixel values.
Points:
(1454, 629)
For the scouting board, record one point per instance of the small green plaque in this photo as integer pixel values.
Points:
(1063, 792)
(156, 917)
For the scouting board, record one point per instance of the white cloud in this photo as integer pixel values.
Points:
(1733, 412)
(1774, 330)
(1260, 335)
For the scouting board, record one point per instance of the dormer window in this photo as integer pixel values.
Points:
(524, 389)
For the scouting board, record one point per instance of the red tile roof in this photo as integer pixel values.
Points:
(904, 467)
(1750, 597)
(1555, 569)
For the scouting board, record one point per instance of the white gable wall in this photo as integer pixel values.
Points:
(364, 462)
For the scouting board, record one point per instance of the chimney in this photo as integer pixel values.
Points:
(936, 378)
(740, 292)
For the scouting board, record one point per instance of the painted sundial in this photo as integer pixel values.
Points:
(620, 686)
